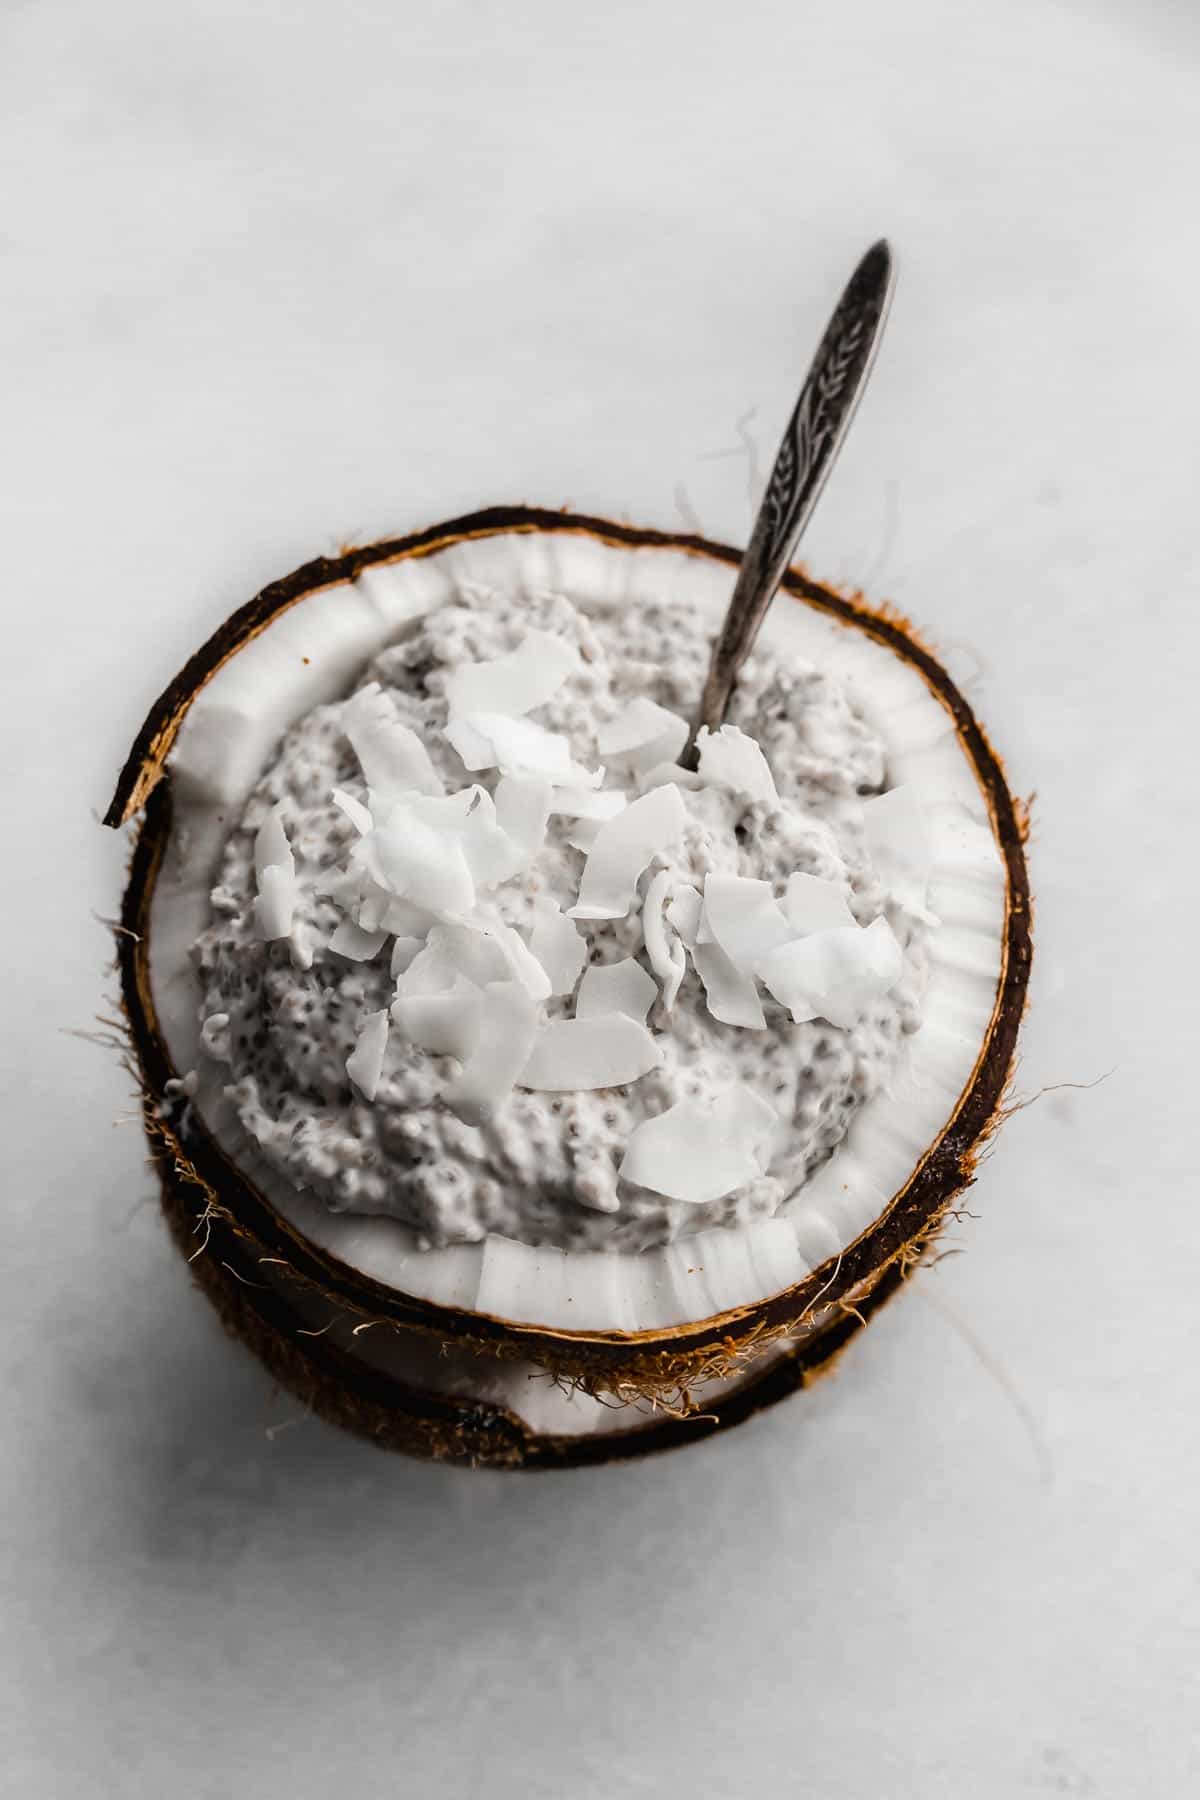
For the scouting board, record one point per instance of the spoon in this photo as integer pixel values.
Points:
(810, 445)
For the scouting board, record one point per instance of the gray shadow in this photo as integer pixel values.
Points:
(216, 1463)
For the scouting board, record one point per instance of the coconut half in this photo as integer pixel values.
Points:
(498, 1352)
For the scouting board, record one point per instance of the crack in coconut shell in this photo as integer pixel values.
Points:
(662, 1365)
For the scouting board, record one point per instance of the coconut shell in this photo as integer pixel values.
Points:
(200, 1183)
(395, 1415)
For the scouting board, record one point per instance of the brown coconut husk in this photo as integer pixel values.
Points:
(664, 1367)
(394, 1414)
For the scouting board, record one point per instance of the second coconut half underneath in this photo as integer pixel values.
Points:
(777, 1004)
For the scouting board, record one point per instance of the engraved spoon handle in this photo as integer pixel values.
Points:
(810, 444)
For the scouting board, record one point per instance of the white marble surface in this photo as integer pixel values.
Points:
(280, 275)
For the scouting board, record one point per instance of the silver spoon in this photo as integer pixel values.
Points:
(810, 444)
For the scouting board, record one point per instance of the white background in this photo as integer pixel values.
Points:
(277, 276)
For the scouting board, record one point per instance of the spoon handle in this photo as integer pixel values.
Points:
(811, 442)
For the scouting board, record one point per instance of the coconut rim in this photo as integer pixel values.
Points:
(658, 1355)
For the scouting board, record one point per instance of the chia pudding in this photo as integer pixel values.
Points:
(544, 1166)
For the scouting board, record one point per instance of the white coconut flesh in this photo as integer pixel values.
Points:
(314, 652)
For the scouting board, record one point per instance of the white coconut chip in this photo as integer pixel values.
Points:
(364, 1065)
(508, 1021)
(582, 834)
(445, 1024)
(492, 856)
(516, 683)
(452, 953)
(835, 975)
(271, 847)
(588, 809)
(517, 747)
(618, 987)
(685, 910)
(358, 814)
(275, 874)
(404, 949)
(664, 946)
(898, 843)
(589, 1053)
(731, 759)
(731, 994)
(275, 903)
(623, 848)
(391, 755)
(642, 735)
(445, 812)
(355, 944)
(470, 814)
(557, 945)
(423, 863)
(698, 1152)
(664, 772)
(523, 966)
(745, 918)
(813, 904)
(380, 911)
(588, 803)
(301, 946)
(523, 809)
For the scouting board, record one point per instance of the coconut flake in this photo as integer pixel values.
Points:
(699, 1152)
(731, 759)
(663, 944)
(582, 835)
(358, 815)
(516, 683)
(418, 861)
(744, 918)
(664, 772)
(618, 987)
(556, 944)
(507, 1027)
(380, 911)
(390, 755)
(814, 904)
(731, 994)
(453, 953)
(522, 810)
(517, 747)
(445, 1024)
(589, 1053)
(445, 812)
(364, 1065)
(624, 846)
(271, 847)
(523, 966)
(355, 944)
(275, 874)
(835, 975)
(642, 735)
(301, 946)
(275, 905)
(898, 843)
(404, 949)
(491, 854)
(588, 803)
(685, 910)
(484, 948)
